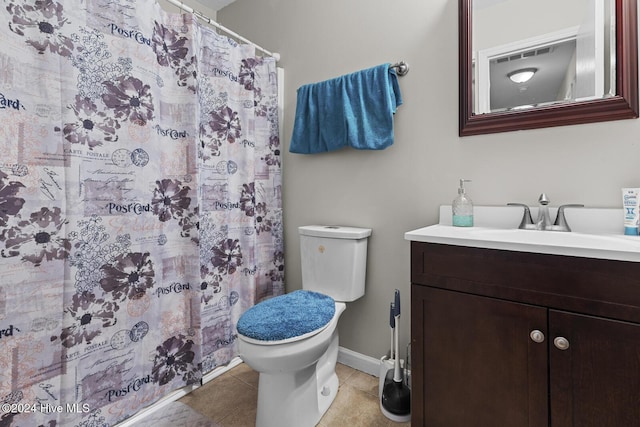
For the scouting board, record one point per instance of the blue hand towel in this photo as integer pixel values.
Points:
(353, 110)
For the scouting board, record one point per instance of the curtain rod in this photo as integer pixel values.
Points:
(210, 21)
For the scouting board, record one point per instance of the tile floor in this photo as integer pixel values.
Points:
(231, 400)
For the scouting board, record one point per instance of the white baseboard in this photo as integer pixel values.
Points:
(221, 370)
(359, 361)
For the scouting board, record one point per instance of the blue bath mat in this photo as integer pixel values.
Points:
(287, 316)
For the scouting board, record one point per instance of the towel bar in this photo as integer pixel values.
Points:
(402, 68)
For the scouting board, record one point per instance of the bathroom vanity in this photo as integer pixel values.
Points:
(524, 328)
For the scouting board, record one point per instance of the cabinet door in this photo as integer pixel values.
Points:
(595, 382)
(474, 363)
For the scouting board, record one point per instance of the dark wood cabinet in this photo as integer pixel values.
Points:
(596, 381)
(519, 339)
(475, 362)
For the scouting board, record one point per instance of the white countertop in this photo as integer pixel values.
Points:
(597, 233)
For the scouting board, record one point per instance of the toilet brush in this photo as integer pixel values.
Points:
(397, 376)
(392, 324)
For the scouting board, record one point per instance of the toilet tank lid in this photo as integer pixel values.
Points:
(334, 231)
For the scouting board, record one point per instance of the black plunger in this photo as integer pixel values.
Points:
(396, 397)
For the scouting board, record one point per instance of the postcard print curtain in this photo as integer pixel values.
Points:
(140, 209)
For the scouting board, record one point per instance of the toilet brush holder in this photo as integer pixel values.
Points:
(386, 371)
(386, 365)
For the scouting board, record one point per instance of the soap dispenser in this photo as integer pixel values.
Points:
(462, 208)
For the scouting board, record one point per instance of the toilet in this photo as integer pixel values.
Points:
(292, 339)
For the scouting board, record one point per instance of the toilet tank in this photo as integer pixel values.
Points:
(334, 260)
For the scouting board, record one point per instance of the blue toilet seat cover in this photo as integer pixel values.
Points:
(287, 316)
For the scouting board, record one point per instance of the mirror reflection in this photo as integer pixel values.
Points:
(528, 54)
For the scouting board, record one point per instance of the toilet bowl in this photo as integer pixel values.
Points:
(298, 382)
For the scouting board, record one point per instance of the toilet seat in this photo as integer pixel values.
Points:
(286, 340)
(287, 318)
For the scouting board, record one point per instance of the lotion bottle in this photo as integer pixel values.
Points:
(462, 208)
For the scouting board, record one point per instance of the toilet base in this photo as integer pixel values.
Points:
(299, 399)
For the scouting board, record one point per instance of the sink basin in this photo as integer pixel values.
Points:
(601, 243)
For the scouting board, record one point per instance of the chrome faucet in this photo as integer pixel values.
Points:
(527, 221)
(543, 221)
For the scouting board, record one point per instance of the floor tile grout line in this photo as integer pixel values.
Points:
(245, 382)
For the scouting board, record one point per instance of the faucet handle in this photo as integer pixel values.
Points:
(526, 221)
(561, 221)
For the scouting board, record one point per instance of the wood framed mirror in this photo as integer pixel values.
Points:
(618, 96)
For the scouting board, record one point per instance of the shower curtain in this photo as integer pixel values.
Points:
(140, 205)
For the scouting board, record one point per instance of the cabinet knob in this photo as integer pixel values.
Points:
(537, 336)
(561, 343)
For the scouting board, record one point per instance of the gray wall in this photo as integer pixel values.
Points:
(401, 188)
